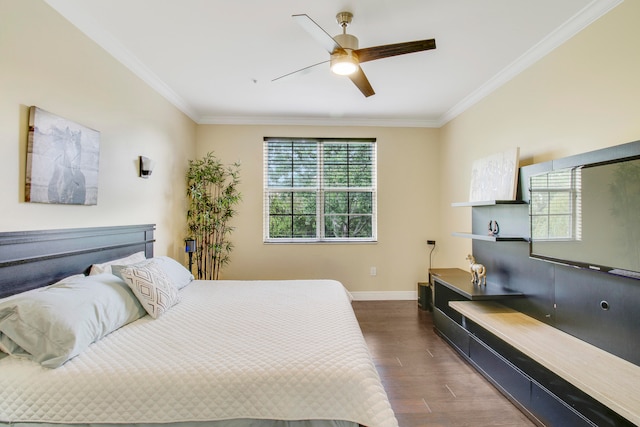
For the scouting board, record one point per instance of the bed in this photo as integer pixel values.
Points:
(227, 353)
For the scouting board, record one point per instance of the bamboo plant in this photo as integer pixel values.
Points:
(212, 192)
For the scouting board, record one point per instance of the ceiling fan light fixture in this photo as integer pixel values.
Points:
(344, 64)
(346, 56)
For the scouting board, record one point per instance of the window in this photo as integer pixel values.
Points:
(556, 205)
(319, 190)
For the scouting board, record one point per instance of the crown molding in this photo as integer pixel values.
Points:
(573, 26)
(578, 22)
(317, 121)
(87, 25)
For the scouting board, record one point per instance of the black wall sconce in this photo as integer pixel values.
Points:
(190, 248)
(146, 166)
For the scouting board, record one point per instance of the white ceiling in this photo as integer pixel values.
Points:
(216, 59)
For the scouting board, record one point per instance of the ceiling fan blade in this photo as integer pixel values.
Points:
(385, 51)
(301, 71)
(360, 80)
(316, 31)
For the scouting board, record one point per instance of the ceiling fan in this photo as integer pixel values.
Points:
(345, 56)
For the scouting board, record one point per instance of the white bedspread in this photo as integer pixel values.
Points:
(287, 350)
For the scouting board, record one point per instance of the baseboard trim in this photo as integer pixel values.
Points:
(384, 295)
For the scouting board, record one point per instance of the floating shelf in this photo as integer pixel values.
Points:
(488, 238)
(490, 203)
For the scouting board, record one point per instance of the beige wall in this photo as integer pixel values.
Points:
(583, 96)
(409, 190)
(46, 62)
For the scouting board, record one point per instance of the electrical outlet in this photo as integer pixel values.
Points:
(373, 271)
(431, 242)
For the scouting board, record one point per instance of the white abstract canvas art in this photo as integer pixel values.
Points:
(495, 177)
(62, 160)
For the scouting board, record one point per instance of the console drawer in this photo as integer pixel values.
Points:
(454, 333)
(501, 371)
(553, 412)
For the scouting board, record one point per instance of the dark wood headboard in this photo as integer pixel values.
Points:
(32, 259)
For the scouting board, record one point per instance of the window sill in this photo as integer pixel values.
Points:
(320, 242)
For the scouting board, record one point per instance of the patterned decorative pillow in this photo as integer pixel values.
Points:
(151, 286)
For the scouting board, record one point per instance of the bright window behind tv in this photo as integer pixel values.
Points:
(588, 216)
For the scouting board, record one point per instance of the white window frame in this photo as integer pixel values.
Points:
(319, 189)
(572, 186)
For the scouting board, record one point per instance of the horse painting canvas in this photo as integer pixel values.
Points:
(62, 160)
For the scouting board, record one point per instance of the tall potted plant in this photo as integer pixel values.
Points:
(212, 190)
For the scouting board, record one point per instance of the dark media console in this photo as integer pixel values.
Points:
(597, 308)
(538, 367)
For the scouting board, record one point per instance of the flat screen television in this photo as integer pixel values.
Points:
(588, 216)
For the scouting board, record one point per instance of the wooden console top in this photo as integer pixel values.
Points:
(460, 281)
(612, 381)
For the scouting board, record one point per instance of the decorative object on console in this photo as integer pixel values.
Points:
(478, 271)
(494, 228)
(212, 190)
(62, 160)
(146, 166)
(495, 177)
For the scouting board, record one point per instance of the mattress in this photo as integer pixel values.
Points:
(264, 350)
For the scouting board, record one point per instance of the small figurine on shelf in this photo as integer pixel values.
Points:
(494, 228)
(478, 271)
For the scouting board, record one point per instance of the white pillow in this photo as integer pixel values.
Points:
(105, 267)
(179, 275)
(54, 324)
(71, 278)
(151, 286)
(21, 294)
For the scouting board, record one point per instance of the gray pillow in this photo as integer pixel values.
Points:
(55, 324)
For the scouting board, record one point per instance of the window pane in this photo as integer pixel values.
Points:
(361, 203)
(304, 203)
(539, 203)
(361, 165)
(280, 203)
(304, 226)
(540, 227)
(348, 165)
(280, 226)
(292, 164)
(280, 164)
(335, 176)
(360, 226)
(292, 214)
(560, 203)
(336, 167)
(336, 202)
(344, 226)
(560, 179)
(336, 226)
(305, 165)
(559, 227)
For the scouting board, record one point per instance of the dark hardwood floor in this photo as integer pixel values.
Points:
(427, 382)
